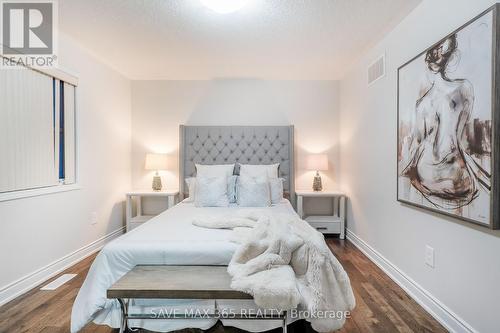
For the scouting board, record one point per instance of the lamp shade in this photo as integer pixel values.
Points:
(317, 162)
(156, 162)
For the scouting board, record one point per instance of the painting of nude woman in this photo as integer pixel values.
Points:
(446, 125)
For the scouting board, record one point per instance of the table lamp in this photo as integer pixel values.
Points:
(156, 162)
(317, 162)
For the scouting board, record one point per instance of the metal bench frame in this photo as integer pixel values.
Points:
(124, 305)
(135, 285)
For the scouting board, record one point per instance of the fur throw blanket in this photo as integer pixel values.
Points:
(285, 264)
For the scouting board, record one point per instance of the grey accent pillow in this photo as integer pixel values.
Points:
(231, 188)
(253, 192)
(276, 186)
(211, 192)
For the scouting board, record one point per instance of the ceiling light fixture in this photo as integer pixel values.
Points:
(224, 6)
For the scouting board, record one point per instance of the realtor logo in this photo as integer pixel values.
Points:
(28, 32)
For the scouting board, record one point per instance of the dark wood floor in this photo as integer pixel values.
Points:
(381, 306)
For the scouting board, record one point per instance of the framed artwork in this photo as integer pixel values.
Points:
(448, 124)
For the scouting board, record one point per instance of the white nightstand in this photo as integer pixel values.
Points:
(140, 218)
(330, 224)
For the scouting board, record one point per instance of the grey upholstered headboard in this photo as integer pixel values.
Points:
(237, 144)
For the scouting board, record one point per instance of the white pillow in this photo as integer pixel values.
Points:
(269, 171)
(211, 192)
(276, 186)
(220, 170)
(253, 192)
(191, 184)
(231, 188)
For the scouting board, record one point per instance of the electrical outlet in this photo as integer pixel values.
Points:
(429, 256)
(93, 218)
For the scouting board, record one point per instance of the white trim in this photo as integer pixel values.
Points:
(14, 195)
(60, 75)
(54, 72)
(451, 321)
(28, 282)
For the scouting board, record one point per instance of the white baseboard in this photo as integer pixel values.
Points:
(28, 282)
(431, 304)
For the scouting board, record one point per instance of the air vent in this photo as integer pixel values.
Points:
(58, 282)
(376, 70)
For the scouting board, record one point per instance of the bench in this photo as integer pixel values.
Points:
(180, 282)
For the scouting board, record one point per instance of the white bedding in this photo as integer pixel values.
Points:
(171, 239)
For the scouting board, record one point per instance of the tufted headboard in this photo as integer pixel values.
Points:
(237, 144)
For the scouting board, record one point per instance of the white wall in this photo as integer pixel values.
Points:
(159, 107)
(466, 278)
(39, 230)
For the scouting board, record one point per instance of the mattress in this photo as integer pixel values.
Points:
(167, 239)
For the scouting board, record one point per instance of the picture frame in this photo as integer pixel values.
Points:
(448, 154)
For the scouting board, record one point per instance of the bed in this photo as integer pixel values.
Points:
(171, 239)
(237, 144)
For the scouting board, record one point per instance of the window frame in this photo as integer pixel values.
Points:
(59, 76)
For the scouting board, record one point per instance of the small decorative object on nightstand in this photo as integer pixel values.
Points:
(330, 224)
(318, 162)
(156, 162)
(140, 218)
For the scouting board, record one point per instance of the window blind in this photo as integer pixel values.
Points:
(26, 130)
(37, 131)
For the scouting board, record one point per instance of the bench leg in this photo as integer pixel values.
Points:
(123, 323)
(284, 323)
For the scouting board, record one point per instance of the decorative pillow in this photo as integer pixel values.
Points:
(220, 170)
(211, 192)
(231, 188)
(269, 171)
(191, 184)
(253, 192)
(276, 186)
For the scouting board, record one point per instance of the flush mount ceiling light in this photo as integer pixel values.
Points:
(224, 6)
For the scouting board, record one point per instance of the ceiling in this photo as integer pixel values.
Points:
(267, 39)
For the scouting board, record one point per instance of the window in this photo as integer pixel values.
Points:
(37, 131)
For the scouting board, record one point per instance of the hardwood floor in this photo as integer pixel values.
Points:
(382, 306)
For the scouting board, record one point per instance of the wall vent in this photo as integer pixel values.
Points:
(376, 70)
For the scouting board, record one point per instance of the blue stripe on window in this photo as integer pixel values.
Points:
(54, 112)
(61, 131)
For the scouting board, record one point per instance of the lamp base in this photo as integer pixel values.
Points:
(157, 183)
(317, 186)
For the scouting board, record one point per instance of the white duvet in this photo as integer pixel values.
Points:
(169, 239)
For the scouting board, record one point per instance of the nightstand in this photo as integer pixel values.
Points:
(140, 218)
(329, 224)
